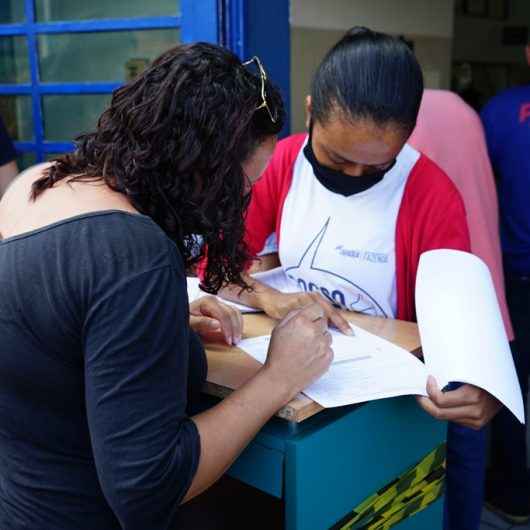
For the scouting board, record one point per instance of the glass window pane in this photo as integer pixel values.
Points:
(25, 160)
(65, 116)
(48, 10)
(16, 113)
(14, 65)
(11, 11)
(106, 56)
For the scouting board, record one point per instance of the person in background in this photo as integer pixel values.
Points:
(353, 206)
(449, 132)
(506, 120)
(8, 163)
(99, 367)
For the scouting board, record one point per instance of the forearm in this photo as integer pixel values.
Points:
(265, 263)
(255, 297)
(226, 429)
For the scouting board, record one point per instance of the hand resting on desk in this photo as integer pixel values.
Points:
(214, 321)
(277, 305)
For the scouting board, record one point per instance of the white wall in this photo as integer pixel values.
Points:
(317, 24)
(419, 17)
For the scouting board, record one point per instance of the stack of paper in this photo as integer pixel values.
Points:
(462, 335)
(364, 367)
(461, 328)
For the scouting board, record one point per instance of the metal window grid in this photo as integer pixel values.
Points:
(198, 21)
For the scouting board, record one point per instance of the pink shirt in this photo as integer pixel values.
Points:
(450, 132)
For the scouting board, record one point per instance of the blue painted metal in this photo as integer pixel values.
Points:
(79, 88)
(58, 147)
(260, 467)
(13, 29)
(24, 147)
(261, 464)
(331, 469)
(234, 26)
(38, 126)
(92, 26)
(62, 88)
(250, 25)
(15, 89)
(116, 24)
(46, 147)
(199, 21)
(339, 457)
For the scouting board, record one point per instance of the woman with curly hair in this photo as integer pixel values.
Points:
(99, 368)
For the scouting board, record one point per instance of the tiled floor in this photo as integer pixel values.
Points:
(491, 521)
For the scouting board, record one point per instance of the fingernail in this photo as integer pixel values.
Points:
(349, 331)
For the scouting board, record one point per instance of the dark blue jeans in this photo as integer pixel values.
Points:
(465, 473)
(464, 485)
(511, 480)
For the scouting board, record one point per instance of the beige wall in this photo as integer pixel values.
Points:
(316, 25)
(308, 47)
(416, 17)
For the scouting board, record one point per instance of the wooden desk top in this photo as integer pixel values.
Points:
(229, 367)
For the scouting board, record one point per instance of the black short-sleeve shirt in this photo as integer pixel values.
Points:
(97, 366)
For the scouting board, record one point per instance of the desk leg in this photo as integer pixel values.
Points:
(329, 471)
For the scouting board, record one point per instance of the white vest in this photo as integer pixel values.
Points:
(344, 247)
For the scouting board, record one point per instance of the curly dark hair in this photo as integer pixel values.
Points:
(173, 141)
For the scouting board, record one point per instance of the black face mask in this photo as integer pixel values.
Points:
(337, 181)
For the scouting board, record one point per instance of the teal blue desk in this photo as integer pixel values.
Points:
(325, 465)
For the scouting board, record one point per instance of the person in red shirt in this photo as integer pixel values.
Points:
(353, 206)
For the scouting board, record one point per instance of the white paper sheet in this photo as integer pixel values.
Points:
(461, 328)
(277, 279)
(364, 367)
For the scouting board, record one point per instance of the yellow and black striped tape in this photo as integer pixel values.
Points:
(408, 494)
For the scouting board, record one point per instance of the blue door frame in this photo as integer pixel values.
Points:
(241, 25)
(252, 27)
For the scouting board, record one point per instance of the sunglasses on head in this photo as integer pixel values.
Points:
(263, 77)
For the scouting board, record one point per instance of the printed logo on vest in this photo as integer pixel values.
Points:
(373, 257)
(340, 291)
